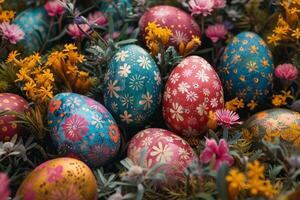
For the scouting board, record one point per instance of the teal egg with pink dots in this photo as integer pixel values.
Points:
(246, 69)
(132, 87)
(35, 24)
(83, 128)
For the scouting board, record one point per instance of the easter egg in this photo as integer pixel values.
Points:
(182, 25)
(123, 6)
(152, 146)
(83, 128)
(35, 24)
(192, 90)
(15, 103)
(246, 69)
(61, 178)
(274, 123)
(132, 86)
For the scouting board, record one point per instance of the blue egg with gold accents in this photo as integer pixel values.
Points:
(83, 128)
(246, 69)
(132, 86)
(35, 24)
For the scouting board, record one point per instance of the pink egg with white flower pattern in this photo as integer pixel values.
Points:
(161, 146)
(182, 25)
(192, 91)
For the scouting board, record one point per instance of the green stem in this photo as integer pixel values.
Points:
(48, 35)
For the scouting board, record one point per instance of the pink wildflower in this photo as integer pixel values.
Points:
(97, 18)
(4, 186)
(216, 32)
(286, 72)
(219, 3)
(11, 32)
(54, 8)
(227, 117)
(219, 152)
(201, 7)
(74, 30)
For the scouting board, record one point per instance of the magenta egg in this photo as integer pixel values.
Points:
(182, 25)
(161, 146)
(191, 92)
(10, 102)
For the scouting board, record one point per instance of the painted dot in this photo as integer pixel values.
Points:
(4, 129)
(12, 97)
(14, 125)
(6, 101)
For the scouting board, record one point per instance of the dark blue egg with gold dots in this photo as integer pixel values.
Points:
(246, 69)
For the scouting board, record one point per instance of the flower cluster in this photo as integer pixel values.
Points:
(253, 181)
(35, 79)
(280, 99)
(287, 29)
(10, 32)
(237, 103)
(65, 65)
(156, 36)
(205, 7)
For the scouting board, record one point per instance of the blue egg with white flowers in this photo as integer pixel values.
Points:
(132, 86)
(246, 69)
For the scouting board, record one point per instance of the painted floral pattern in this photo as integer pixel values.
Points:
(182, 25)
(272, 124)
(57, 179)
(161, 146)
(192, 90)
(77, 129)
(246, 68)
(132, 86)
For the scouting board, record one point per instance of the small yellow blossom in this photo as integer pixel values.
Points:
(212, 120)
(252, 105)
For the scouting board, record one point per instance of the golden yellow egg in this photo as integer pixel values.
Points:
(59, 179)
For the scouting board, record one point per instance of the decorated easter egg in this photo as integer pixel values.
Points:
(182, 25)
(274, 123)
(123, 6)
(15, 103)
(246, 69)
(153, 146)
(192, 90)
(83, 128)
(61, 178)
(35, 24)
(132, 86)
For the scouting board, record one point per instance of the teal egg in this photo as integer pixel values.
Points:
(35, 24)
(132, 87)
(246, 69)
(83, 128)
(123, 6)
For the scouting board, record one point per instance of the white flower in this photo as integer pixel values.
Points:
(125, 70)
(187, 73)
(214, 102)
(162, 153)
(107, 75)
(73, 102)
(216, 85)
(127, 100)
(183, 87)
(191, 96)
(136, 82)
(157, 78)
(201, 75)
(97, 121)
(174, 92)
(144, 62)
(167, 94)
(168, 139)
(147, 141)
(183, 153)
(122, 55)
(175, 77)
(112, 89)
(179, 37)
(146, 101)
(176, 112)
(114, 106)
(206, 91)
(126, 117)
(201, 109)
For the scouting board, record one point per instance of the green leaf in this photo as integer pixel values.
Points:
(256, 155)
(110, 25)
(221, 182)
(140, 192)
(205, 196)
(274, 172)
(125, 42)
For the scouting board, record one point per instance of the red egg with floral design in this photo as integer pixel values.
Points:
(161, 146)
(182, 25)
(192, 91)
(10, 102)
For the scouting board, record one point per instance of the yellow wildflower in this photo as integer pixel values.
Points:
(185, 49)
(212, 120)
(69, 47)
(296, 33)
(287, 94)
(12, 56)
(252, 105)
(236, 182)
(278, 100)
(255, 170)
